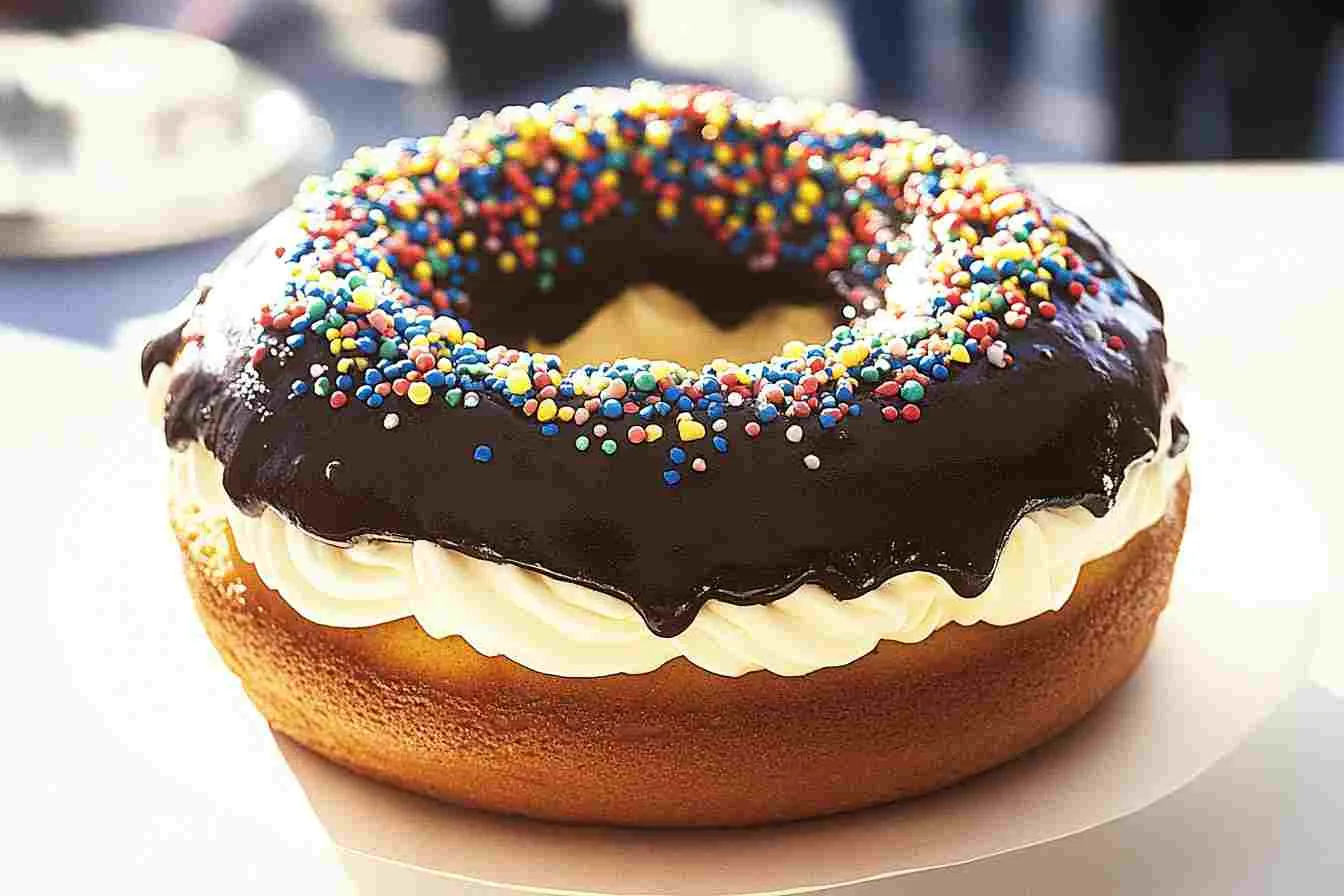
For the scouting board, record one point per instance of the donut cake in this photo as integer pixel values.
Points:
(662, 457)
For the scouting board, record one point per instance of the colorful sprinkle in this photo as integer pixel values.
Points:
(380, 279)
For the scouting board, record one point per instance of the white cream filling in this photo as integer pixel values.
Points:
(563, 629)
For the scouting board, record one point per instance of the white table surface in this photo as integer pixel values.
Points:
(90, 805)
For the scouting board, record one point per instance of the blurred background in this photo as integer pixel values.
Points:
(130, 125)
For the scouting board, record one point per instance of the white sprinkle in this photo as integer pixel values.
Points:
(391, 421)
(720, 425)
(699, 465)
(1091, 330)
(600, 430)
(812, 462)
(471, 400)
(735, 399)
(794, 433)
(317, 370)
(996, 354)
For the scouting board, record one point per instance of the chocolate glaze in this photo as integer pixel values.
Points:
(1058, 427)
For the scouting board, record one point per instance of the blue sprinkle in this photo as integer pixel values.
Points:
(677, 455)
(295, 341)
(611, 408)
(549, 429)
(671, 477)
(939, 372)
(374, 401)
(483, 454)
(298, 387)
(345, 382)
(721, 444)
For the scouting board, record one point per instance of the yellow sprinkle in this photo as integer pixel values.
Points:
(422, 271)
(348, 344)
(689, 429)
(448, 329)
(508, 262)
(467, 241)
(794, 349)
(547, 410)
(801, 213)
(419, 392)
(518, 381)
(658, 133)
(566, 414)
(544, 196)
(809, 191)
(1041, 290)
(959, 354)
(765, 212)
(653, 432)
(853, 355)
(364, 298)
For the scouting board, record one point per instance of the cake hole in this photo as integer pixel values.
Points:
(655, 323)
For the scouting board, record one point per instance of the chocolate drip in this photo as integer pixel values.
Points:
(1059, 426)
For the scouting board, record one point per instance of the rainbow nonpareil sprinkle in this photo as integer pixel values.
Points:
(937, 254)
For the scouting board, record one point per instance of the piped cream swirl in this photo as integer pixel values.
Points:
(559, 628)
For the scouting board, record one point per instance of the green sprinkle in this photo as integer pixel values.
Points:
(581, 443)
(608, 446)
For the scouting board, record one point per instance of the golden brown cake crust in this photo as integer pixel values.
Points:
(679, 746)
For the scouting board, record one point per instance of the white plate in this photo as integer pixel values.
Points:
(1230, 646)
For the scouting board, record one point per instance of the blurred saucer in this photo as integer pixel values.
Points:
(123, 139)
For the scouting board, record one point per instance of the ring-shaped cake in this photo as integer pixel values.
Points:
(988, 420)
